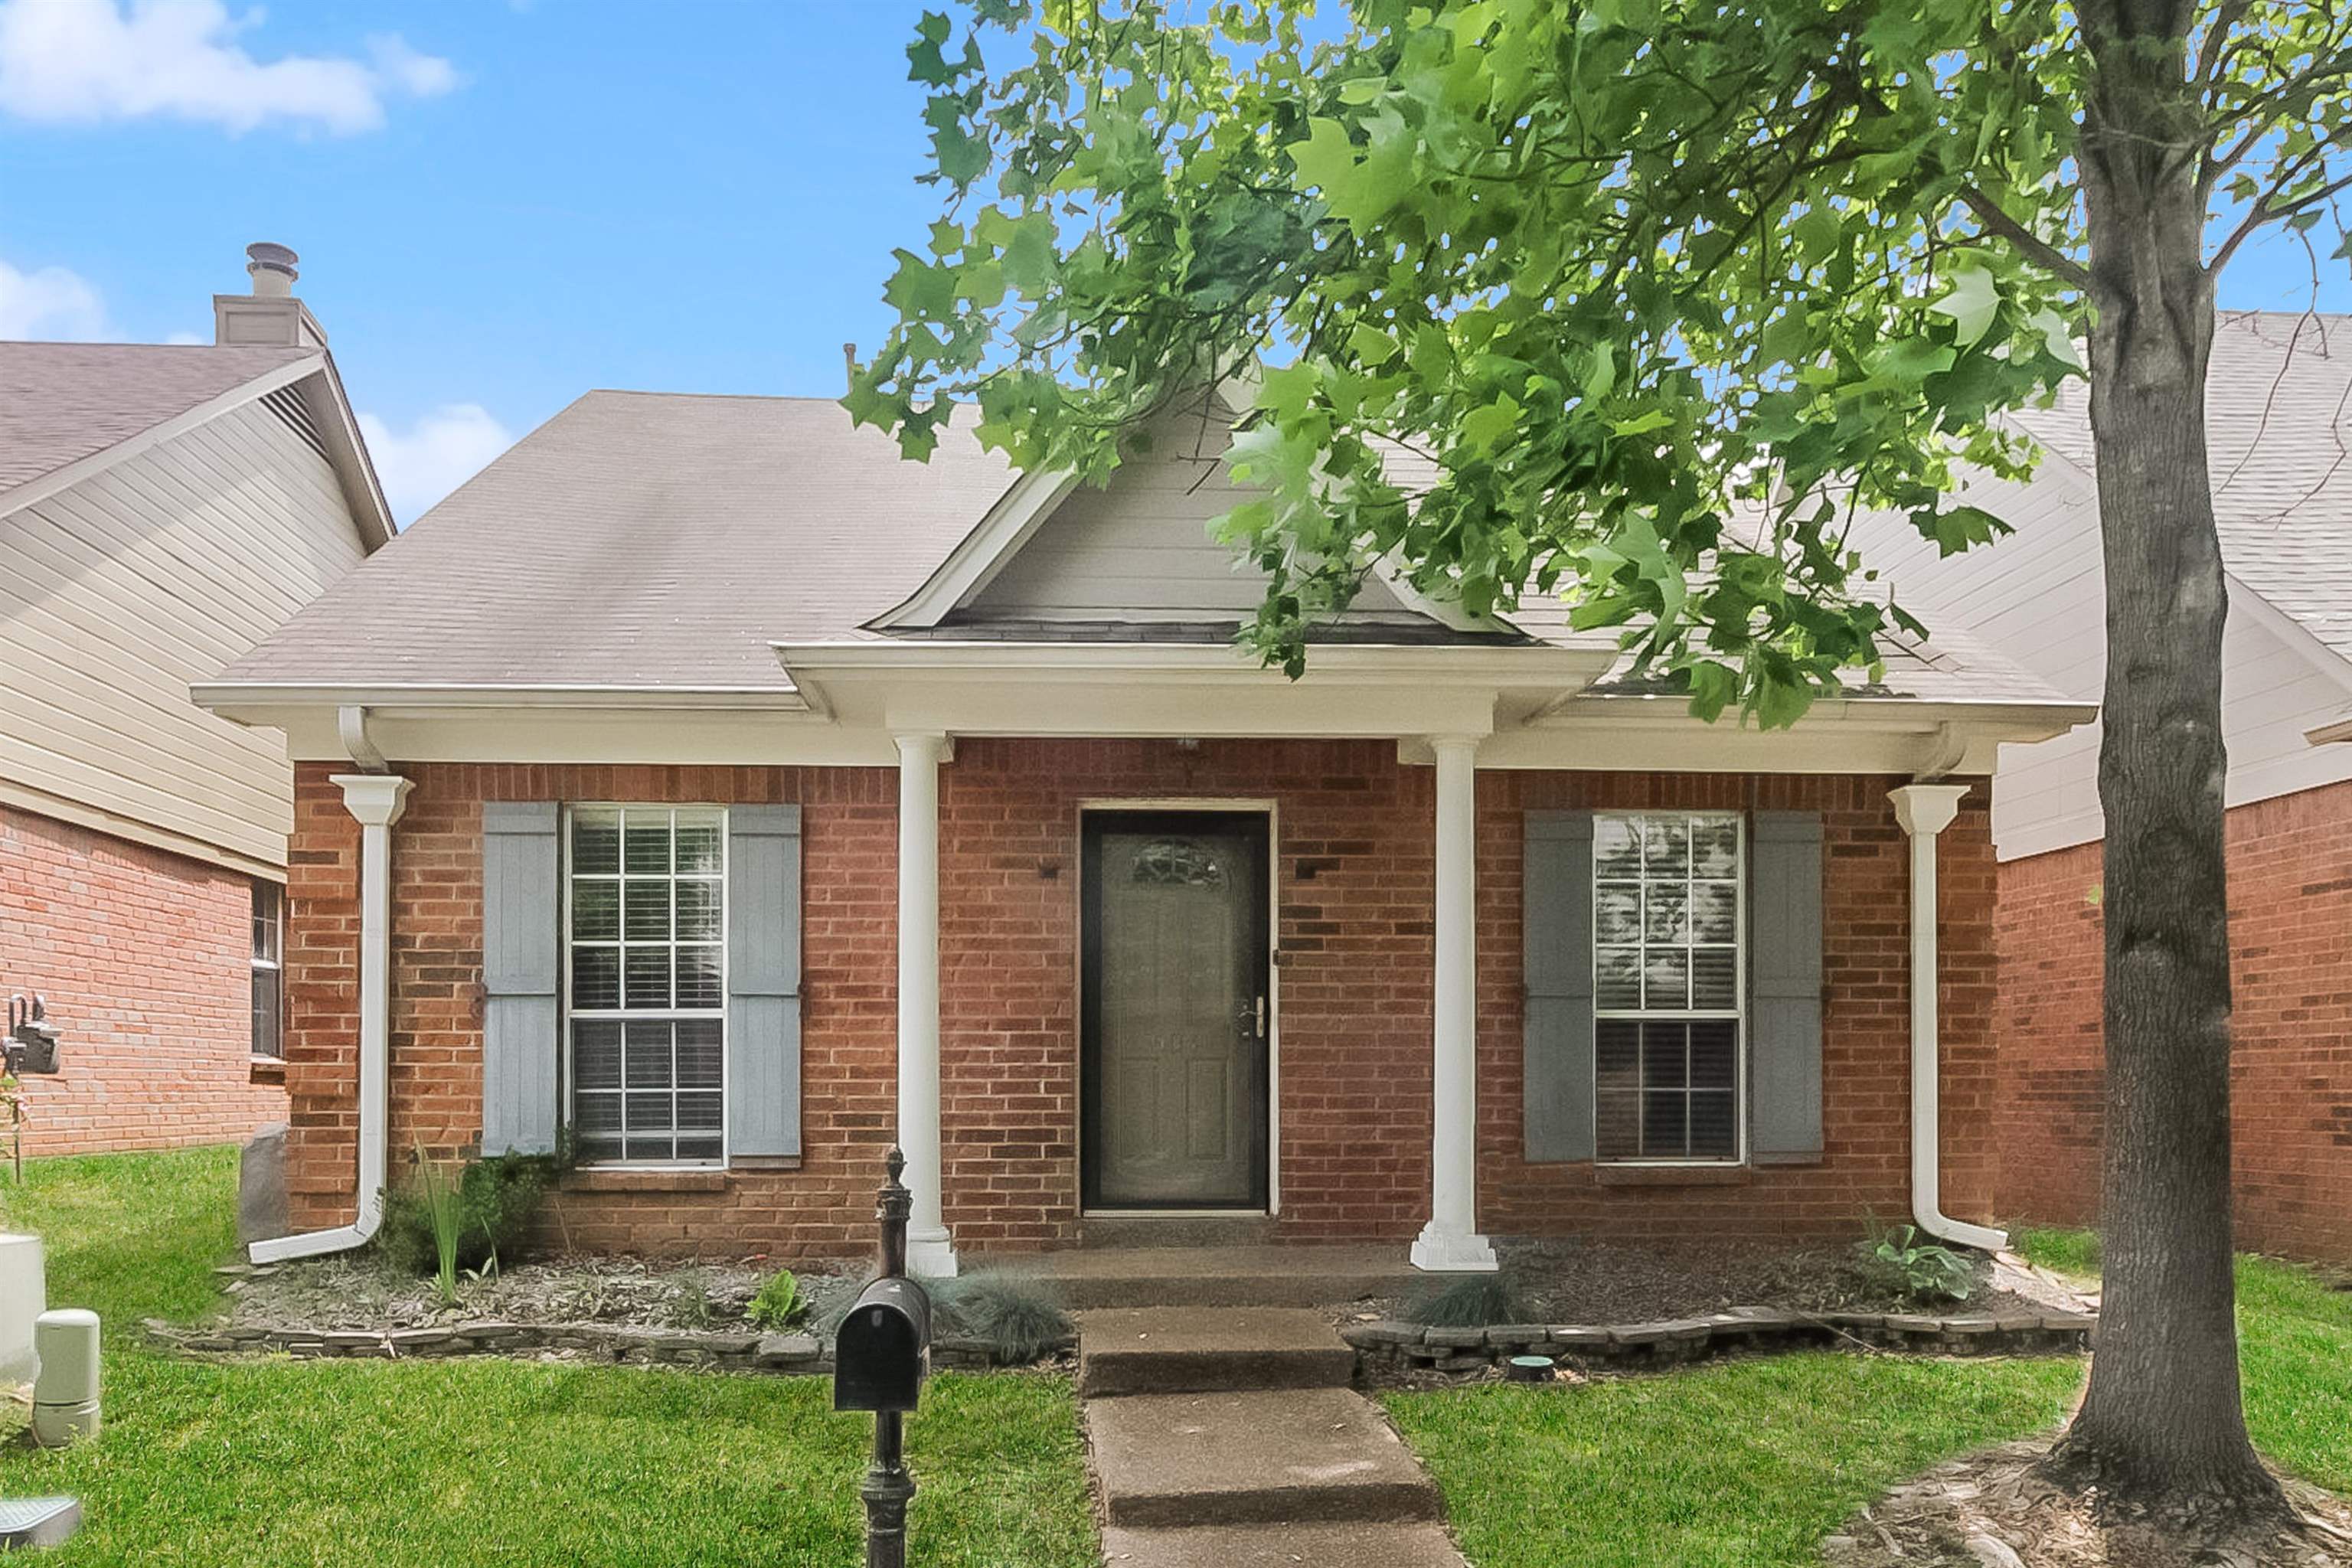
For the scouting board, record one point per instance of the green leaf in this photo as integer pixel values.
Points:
(1485, 428)
(2057, 338)
(1641, 423)
(1371, 345)
(1973, 302)
(920, 289)
(1600, 371)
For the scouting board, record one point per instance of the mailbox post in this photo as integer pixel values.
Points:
(880, 1357)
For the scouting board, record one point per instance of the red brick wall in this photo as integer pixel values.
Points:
(825, 1207)
(1865, 1020)
(2291, 1078)
(1353, 892)
(145, 958)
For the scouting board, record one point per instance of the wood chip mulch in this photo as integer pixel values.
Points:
(1992, 1509)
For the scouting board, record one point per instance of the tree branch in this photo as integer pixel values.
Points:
(2263, 214)
(2040, 251)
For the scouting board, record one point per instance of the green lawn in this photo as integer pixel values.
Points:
(2294, 1347)
(1740, 1464)
(487, 1461)
(1749, 1464)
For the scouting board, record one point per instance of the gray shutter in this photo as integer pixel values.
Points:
(1556, 917)
(1784, 1002)
(521, 921)
(763, 980)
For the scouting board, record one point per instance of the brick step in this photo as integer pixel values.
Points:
(1192, 1350)
(1284, 1546)
(1309, 1456)
(1260, 1276)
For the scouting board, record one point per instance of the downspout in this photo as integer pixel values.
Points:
(375, 800)
(1925, 810)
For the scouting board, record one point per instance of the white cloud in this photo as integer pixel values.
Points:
(184, 339)
(91, 60)
(49, 303)
(441, 451)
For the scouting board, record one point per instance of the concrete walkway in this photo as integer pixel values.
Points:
(1228, 1438)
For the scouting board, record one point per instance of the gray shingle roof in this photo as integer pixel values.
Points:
(61, 403)
(2278, 413)
(653, 540)
(644, 539)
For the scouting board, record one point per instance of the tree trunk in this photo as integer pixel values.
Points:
(2162, 1425)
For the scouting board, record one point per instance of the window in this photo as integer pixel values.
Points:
(268, 970)
(1666, 965)
(647, 987)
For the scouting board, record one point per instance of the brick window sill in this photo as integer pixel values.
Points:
(592, 1180)
(266, 1069)
(1672, 1175)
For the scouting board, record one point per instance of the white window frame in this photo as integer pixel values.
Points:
(646, 1015)
(1737, 1013)
(272, 961)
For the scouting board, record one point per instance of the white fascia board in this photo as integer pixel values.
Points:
(668, 737)
(2038, 719)
(224, 696)
(1194, 663)
(1845, 735)
(73, 473)
(354, 469)
(980, 555)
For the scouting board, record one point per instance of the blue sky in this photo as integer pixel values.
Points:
(499, 206)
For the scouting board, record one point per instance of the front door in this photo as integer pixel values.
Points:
(1175, 967)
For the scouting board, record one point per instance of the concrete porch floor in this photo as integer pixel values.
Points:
(1261, 1275)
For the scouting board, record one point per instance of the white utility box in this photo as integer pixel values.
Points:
(24, 1296)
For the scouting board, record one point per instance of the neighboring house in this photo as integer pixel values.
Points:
(161, 508)
(2280, 418)
(707, 790)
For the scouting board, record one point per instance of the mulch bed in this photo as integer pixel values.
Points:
(1570, 1281)
(1991, 1510)
(365, 1292)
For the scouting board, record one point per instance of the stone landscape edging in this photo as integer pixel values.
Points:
(1465, 1353)
(736, 1351)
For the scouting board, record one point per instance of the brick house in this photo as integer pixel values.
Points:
(162, 507)
(705, 790)
(2283, 494)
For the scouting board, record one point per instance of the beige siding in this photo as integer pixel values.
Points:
(2039, 597)
(153, 574)
(1139, 547)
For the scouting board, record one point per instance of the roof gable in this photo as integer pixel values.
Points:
(1132, 556)
(70, 410)
(2278, 415)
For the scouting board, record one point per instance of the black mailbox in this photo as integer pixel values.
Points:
(883, 1351)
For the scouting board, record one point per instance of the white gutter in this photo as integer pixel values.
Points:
(1925, 810)
(376, 801)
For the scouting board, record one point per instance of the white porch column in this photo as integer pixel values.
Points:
(1925, 810)
(929, 1250)
(1450, 1241)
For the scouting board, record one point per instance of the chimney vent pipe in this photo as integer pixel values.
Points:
(272, 268)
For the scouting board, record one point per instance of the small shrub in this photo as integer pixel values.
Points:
(1473, 1301)
(1902, 1259)
(495, 1199)
(690, 1305)
(437, 1198)
(1019, 1318)
(779, 1305)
